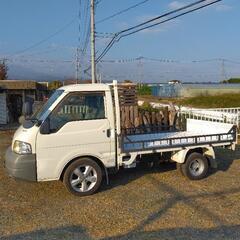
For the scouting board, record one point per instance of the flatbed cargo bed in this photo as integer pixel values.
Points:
(198, 133)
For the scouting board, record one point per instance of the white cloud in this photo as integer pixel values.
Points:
(218, 7)
(154, 30)
(144, 18)
(102, 42)
(223, 7)
(176, 4)
(122, 25)
(158, 28)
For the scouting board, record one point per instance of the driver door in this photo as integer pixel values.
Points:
(78, 127)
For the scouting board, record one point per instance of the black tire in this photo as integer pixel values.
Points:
(195, 167)
(95, 175)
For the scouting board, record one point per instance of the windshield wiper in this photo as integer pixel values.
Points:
(31, 119)
(34, 120)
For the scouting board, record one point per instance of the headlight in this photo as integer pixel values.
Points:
(22, 147)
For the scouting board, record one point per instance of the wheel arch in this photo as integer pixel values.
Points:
(94, 158)
(181, 156)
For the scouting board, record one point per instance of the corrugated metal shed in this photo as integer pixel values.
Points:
(166, 90)
(3, 108)
(18, 85)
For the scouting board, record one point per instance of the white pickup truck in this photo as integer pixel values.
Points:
(76, 137)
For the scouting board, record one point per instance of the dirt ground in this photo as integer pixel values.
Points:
(152, 203)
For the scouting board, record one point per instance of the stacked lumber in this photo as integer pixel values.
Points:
(127, 93)
(135, 119)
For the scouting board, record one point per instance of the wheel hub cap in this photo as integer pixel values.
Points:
(196, 167)
(83, 178)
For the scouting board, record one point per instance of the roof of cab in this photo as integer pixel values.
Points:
(85, 87)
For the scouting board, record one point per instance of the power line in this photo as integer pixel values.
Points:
(97, 2)
(87, 38)
(120, 34)
(121, 12)
(113, 40)
(25, 60)
(179, 15)
(51, 49)
(46, 39)
(216, 60)
(86, 21)
(137, 59)
(163, 15)
(93, 52)
(231, 61)
(166, 60)
(79, 42)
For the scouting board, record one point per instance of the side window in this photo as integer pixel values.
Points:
(78, 107)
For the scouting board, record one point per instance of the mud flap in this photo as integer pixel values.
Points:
(213, 163)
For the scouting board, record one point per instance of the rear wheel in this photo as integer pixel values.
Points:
(83, 177)
(195, 167)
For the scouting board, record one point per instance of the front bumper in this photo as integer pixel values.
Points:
(21, 166)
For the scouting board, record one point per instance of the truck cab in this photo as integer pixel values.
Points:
(77, 122)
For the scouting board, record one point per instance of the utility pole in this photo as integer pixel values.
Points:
(141, 74)
(78, 65)
(93, 42)
(223, 69)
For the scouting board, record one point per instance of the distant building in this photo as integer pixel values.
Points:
(13, 95)
(174, 82)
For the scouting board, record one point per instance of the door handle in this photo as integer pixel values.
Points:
(108, 133)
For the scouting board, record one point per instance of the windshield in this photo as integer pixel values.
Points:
(39, 114)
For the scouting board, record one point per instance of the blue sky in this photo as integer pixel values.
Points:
(210, 33)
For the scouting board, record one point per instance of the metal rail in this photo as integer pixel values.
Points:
(164, 143)
(224, 115)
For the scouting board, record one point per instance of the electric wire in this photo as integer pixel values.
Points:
(118, 36)
(46, 39)
(122, 11)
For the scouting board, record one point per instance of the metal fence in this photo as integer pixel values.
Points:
(225, 115)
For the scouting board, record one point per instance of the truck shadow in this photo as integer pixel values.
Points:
(125, 176)
(219, 233)
(77, 232)
(224, 157)
(223, 229)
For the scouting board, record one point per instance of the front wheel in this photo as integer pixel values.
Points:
(195, 166)
(83, 177)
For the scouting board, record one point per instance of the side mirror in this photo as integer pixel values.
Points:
(45, 127)
(21, 119)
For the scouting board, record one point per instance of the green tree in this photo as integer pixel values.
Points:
(127, 81)
(144, 89)
(54, 85)
(232, 80)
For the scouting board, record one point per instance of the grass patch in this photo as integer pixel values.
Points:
(218, 101)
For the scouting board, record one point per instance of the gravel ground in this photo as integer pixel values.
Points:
(142, 203)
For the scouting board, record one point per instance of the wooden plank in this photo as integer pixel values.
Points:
(127, 119)
(127, 94)
(165, 118)
(131, 116)
(136, 116)
(172, 116)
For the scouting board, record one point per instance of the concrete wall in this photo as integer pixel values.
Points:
(195, 90)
